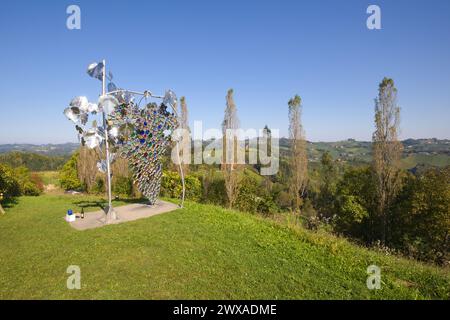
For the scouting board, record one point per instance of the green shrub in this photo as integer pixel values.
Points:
(267, 205)
(27, 186)
(19, 181)
(68, 176)
(99, 186)
(9, 185)
(247, 198)
(30, 189)
(354, 205)
(171, 186)
(37, 180)
(123, 186)
(420, 220)
(283, 200)
(309, 215)
(214, 189)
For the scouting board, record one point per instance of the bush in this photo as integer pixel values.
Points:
(37, 180)
(350, 213)
(214, 189)
(311, 218)
(68, 176)
(420, 220)
(26, 184)
(99, 186)
(172, 187)
(267, 205)
(354, 205)
(19, 181)
(283, 200)
(123, 186)
(247, 198)
(9, 185)
(30, 189)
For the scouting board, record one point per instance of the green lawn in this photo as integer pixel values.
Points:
(198, 252)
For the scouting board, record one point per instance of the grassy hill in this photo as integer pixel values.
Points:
(200, 251)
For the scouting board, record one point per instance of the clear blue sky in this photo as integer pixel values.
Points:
(266, 50)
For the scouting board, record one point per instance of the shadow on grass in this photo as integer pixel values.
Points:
(103, 203)
(9, 203)
(132, 200)
(85, 204)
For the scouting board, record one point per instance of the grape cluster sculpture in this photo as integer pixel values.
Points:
(140, 135)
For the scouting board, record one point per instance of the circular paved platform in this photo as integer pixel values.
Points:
(125, 213)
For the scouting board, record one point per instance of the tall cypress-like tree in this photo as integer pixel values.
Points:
(183, 113)
(229, 166)
(298, 163)
(386, 151)
(267, 135)
(184, 125)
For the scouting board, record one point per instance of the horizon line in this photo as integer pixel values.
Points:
(310, 141)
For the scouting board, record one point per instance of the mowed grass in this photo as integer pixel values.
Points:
(199, 252)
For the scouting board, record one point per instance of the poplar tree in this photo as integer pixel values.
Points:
(298, 163)
(386, 151)
(229, 166)
(184, 125)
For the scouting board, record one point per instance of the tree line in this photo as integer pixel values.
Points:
(33, 161)
(378, 204)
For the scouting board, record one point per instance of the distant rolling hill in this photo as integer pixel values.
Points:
(46, 149)
(428, 152)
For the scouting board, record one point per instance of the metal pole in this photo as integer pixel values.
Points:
(181, 175)
(110, 215)
(1, 208)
